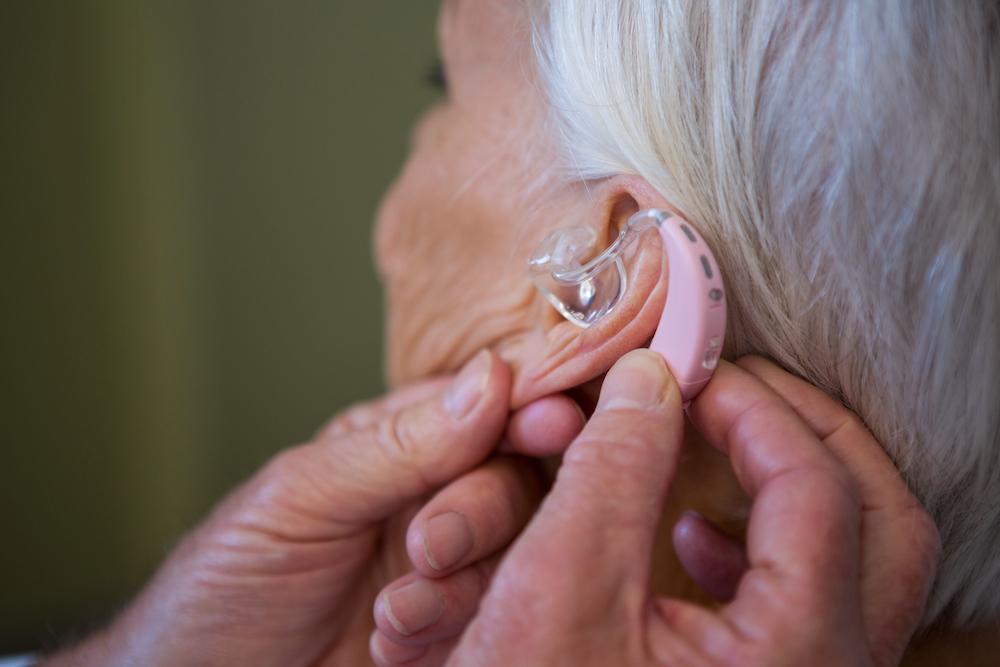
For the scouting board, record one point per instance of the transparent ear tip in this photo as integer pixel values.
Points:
(586, 302)
(582, 292)
(563, 250)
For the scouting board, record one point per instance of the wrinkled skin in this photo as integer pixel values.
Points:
(454, 231)
(260, 578)
(475, 197)
(453, 234)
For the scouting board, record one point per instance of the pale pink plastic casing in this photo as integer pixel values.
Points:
(692, 328)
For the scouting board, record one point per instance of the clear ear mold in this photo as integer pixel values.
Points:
(585, 289)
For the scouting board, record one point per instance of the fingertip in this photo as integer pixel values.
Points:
(415, 611)
(440, 542)
(714, 560)
(387, 653)
(725, 393)
(415, 549)
(482, 385)
(474, 516)
(640, 380)
(685, 527)
(545, 427)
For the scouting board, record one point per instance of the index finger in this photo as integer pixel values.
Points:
(803, 535)
(880, 485)
(365, 414)
(900, 542)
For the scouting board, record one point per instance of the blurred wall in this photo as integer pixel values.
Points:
(186, 202)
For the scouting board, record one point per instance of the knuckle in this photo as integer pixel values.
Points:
(394, 438)
(284, 466)
(398, 439)
(627, 440)
(754, 420)
(752, 425)
(339, 425)
(289, 474)
(629, 452)
(823, 480)
(353, 418)
(850, 428)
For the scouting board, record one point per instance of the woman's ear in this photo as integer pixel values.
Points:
(558, 355)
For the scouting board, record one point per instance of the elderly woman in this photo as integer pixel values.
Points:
(843, 161)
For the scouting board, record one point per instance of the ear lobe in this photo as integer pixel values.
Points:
(559, 355)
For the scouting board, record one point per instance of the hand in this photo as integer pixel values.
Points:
(285, 570)
(836, 569)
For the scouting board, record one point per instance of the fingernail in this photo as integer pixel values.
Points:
(447, 539)
(466, 390)
(638, 381)
(413, 607)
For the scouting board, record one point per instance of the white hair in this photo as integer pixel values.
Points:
(843, 160)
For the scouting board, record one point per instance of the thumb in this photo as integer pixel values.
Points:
(358, 478)
(608, 497)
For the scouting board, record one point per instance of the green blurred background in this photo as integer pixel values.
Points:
(186, 200)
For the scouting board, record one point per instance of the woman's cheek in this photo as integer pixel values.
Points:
(414, 190)
(385, 233)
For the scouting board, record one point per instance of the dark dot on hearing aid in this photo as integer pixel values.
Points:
(688, 233)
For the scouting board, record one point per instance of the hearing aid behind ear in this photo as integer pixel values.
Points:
(692, 327)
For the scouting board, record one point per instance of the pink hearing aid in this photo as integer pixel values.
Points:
(692, 327)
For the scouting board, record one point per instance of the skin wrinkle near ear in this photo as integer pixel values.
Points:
(501, 315)
(562, 347)
(516, 127)
(488, 163)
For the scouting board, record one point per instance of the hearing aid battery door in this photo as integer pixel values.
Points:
(692, 327)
